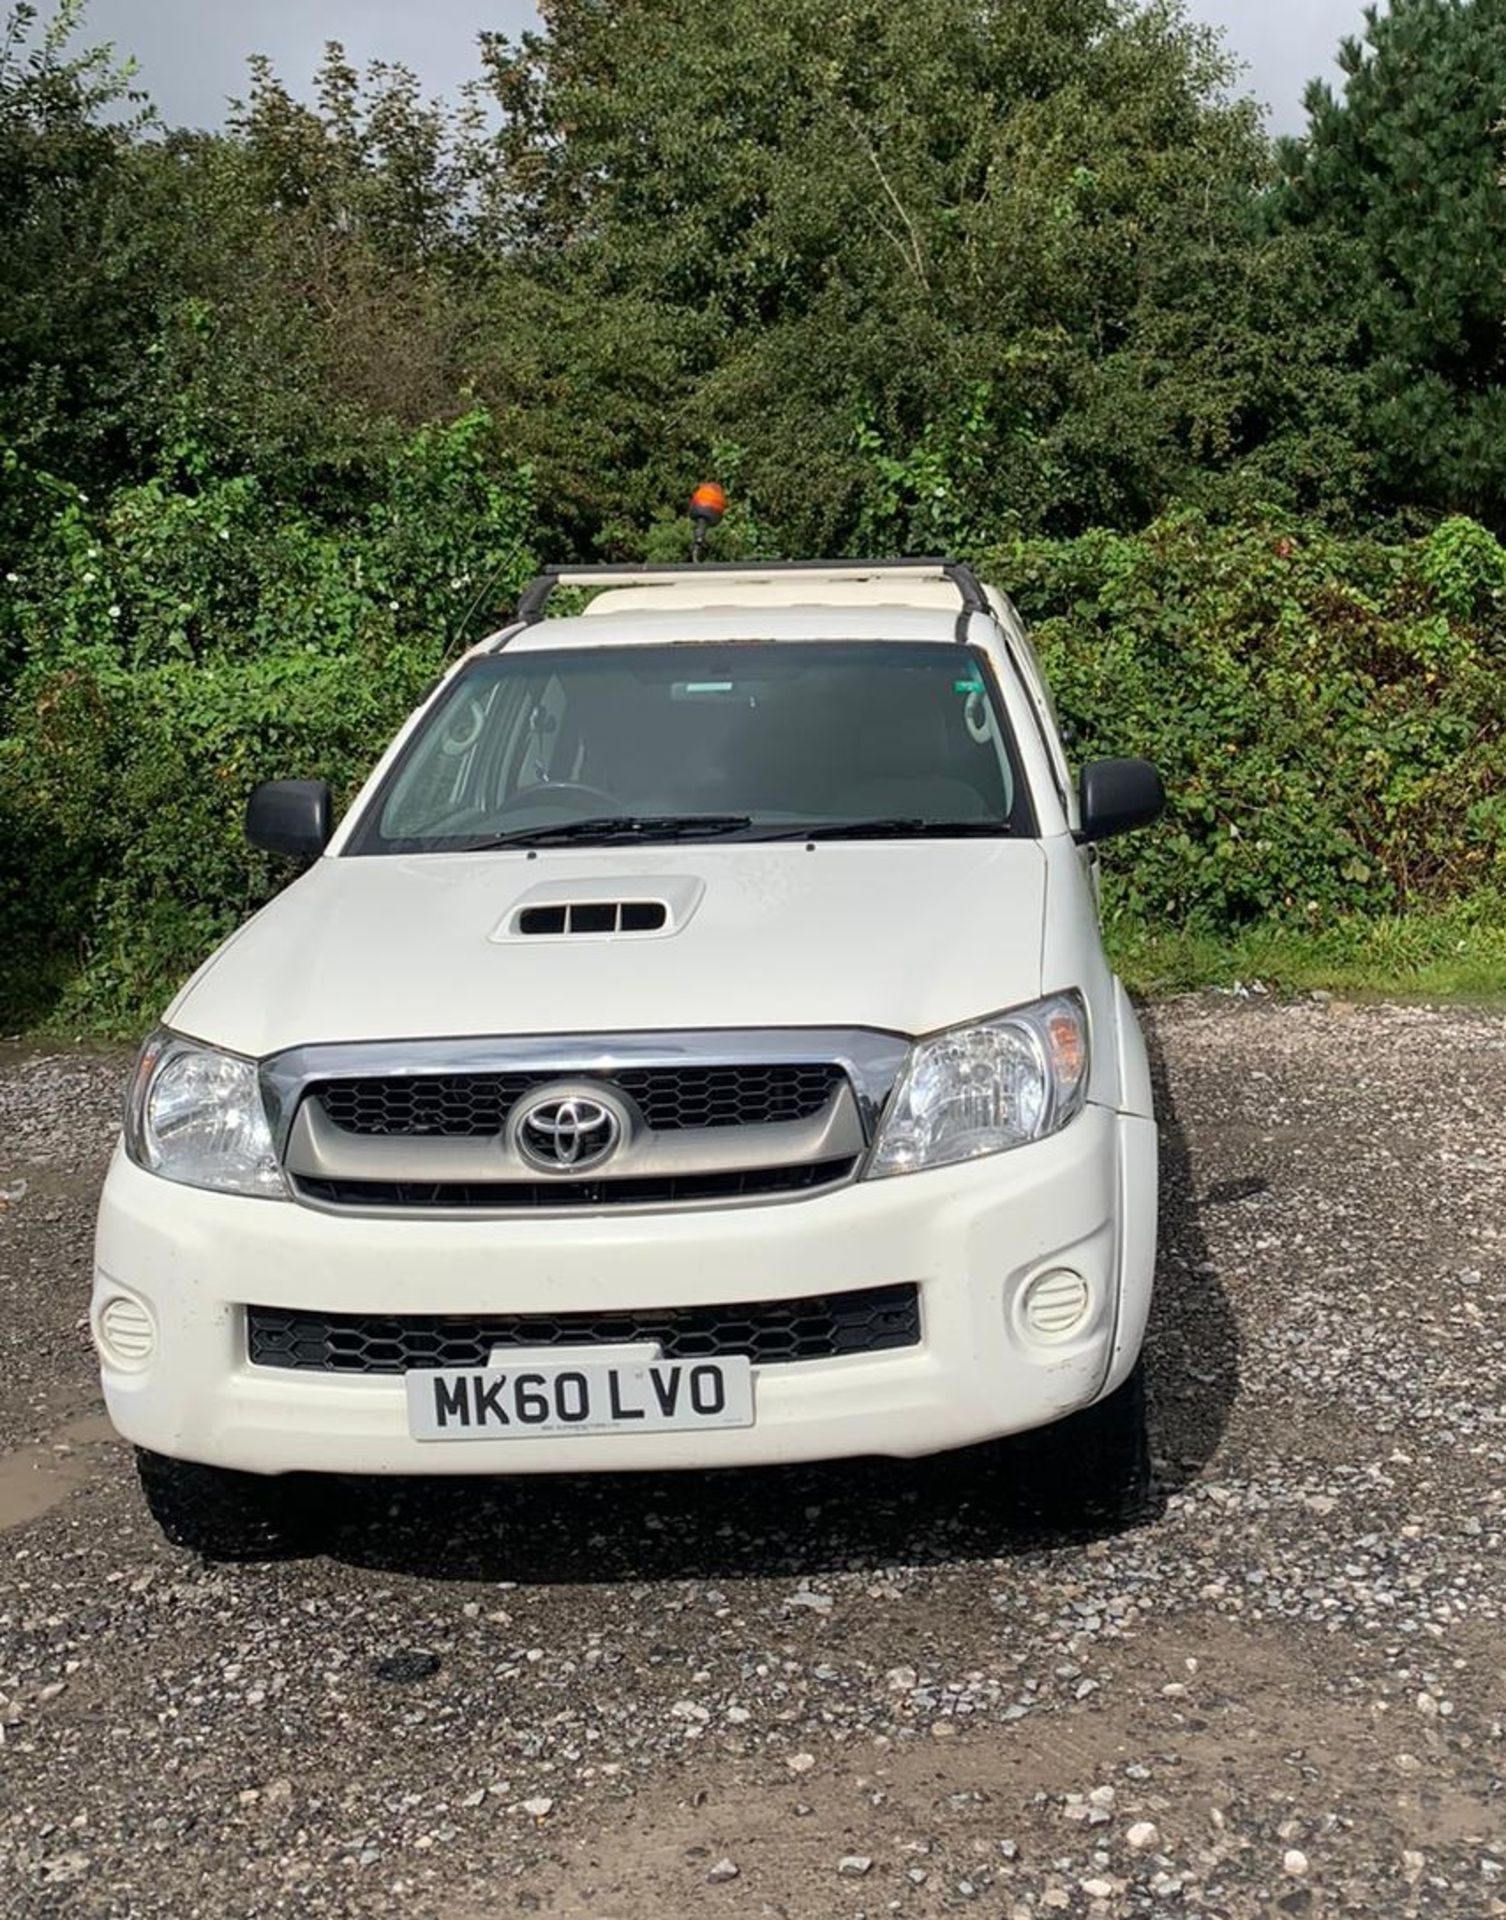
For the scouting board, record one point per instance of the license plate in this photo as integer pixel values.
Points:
(650, 1396)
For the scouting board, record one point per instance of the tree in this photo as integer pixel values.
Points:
(315, 313)
(1398, 177)
(72, 324)
(918, 273)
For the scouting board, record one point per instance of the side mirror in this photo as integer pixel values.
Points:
(290, 817)
(1117, 796)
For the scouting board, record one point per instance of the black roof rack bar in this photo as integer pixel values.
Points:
(536, 595)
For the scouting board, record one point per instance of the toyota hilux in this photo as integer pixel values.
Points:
(693, 1048)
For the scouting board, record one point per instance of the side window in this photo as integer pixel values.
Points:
(1047, 719)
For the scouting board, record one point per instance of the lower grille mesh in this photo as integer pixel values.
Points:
(772, 1332)
(505, 1196)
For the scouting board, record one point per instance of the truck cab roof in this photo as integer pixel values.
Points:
(653, 617)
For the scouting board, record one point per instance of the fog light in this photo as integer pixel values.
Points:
(1055, 1304)
(125, 1332)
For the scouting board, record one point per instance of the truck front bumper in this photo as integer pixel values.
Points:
(970, 1237)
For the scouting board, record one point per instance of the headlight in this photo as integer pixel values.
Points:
(986, 1088)
(194, 1114)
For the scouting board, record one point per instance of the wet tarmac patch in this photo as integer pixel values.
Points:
(35, 1479)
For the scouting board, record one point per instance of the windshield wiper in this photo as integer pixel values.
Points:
(894, 829)
(608, 827)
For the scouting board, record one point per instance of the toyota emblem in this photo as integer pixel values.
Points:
(568, 1132)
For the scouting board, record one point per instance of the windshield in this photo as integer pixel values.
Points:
(753, 741)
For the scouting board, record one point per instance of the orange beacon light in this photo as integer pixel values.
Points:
(707, 505)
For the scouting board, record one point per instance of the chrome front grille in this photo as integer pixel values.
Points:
(695, 1120)
(671, 1099)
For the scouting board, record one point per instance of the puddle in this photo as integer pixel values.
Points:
(34, 1480)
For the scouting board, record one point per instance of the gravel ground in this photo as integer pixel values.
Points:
(849, 1691)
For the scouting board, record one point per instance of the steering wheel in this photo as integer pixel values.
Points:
(568, 790)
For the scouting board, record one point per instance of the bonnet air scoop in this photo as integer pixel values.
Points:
(593, 916)
(606, 909)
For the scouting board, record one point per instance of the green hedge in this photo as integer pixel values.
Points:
(1328, 713)
(171, 650)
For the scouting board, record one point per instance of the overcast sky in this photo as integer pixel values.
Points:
(192, 52)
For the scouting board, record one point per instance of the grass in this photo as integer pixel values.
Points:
(1454, 954)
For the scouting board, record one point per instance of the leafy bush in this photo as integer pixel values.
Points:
(1328, 713)
(174, 649)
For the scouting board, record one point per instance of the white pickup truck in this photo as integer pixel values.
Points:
(693, 1048)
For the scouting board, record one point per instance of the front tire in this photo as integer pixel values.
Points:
(1090, 1470)
(221, 1514)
